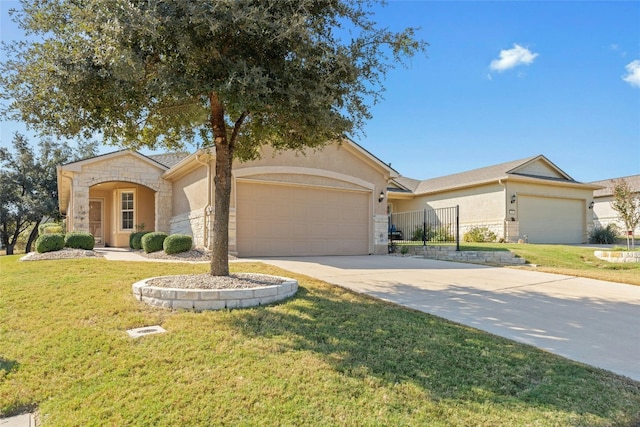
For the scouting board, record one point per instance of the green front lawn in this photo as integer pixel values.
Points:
(566, 259)
(325, 357)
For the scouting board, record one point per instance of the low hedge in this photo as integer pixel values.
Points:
(50, 228)
(152, 242)
(49, 243)
(79, 240)
(177, 243)
(135, 239)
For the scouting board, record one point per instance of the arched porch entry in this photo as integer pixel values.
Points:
(117, 209)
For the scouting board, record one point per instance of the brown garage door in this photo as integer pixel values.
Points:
(551, 220)
(280, 220)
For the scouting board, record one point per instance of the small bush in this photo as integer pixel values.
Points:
(152, 242)
(479, 234)
(135, 239)
(50, 228)
(441, 234)
(78, 240)
(604, 235)
(177, 243)
(417, 234)
(49, 243)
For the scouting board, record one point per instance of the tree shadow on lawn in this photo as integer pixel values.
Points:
(359, 336)
(8, 366)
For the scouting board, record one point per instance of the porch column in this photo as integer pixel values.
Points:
(80, 206)
(163, 208)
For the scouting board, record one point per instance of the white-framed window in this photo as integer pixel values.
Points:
(127, 209)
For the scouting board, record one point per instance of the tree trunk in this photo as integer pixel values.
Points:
(222, 181)
(9, 249)
(32, 237)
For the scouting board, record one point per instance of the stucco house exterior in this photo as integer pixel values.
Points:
(603, 213)
(529, 199)
(335, 201)
(286, 203)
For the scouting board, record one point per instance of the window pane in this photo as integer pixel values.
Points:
(127, 220)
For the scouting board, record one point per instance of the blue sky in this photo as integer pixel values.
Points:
(503, 81)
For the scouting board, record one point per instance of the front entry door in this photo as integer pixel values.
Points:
(95, 220)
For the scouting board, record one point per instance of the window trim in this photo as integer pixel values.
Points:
(121, 209)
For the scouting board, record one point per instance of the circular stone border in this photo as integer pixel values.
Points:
(213, 299)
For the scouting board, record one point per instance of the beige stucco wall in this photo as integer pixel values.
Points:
(490, 205)
(603, 214)
(335, 167)
(482, 206)
(190, 191)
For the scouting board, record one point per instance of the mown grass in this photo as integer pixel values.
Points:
(325, 357)
(566, 259)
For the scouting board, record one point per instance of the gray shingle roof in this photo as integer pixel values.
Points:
(168, 159)
(608, 184)
(472, 177)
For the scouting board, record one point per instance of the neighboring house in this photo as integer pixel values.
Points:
(529, 199)
(327, 202)
(603, 213)
(315, 203)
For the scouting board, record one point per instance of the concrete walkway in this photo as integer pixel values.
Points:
(586, 320)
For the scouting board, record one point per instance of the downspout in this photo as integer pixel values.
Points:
(504, 219)
(208, 207)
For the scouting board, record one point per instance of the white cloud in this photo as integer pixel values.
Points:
(633, 73)
(511, 58)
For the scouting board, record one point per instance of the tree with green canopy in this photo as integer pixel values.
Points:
(627, 205)
(232, 75)
(28, 186)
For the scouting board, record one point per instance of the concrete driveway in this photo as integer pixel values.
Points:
(590, 321)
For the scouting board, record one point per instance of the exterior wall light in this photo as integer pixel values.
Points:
(513, 198)
(591, 205)
(381, 197)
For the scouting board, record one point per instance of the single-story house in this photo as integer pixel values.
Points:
(334, 201)
(603, 213)
(325, 202)
(528, 199)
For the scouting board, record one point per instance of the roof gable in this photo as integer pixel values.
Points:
(540, 167)
(77, 165)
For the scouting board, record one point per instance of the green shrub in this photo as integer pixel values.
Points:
(479, 234)
(604, 235)
(417, 234)
(135, 239)
(152, 242)
(177, 243)
(441, 234)
(78, 240)
(50, 228)
(49, 243)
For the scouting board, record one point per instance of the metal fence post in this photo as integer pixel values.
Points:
(458, 228)
(424, 227)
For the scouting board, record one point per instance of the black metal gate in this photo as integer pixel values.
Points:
(425, 226)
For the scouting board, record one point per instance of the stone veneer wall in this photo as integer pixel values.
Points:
(381, 234)
(448, 253)
(125, 169)
(193, 224)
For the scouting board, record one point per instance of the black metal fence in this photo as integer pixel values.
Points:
(440, 225)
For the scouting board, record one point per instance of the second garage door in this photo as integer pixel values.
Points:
(281, 220)
(551, 220)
